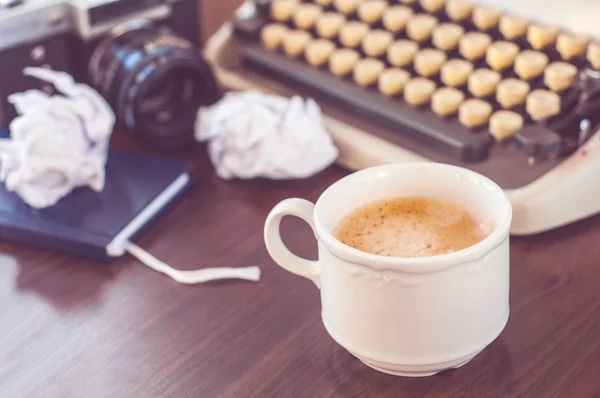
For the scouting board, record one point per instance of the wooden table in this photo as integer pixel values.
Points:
(75, 328)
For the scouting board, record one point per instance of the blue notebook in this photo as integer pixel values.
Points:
(98, 225)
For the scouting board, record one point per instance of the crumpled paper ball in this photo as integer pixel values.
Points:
(57, 143)
(251, 135)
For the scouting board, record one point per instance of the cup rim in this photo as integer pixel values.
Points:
(415, 265)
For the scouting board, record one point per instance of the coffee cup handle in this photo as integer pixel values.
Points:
(287, 260)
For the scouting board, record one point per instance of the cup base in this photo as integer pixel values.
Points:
(416, 371)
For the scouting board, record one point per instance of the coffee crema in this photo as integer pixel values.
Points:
(411, 227)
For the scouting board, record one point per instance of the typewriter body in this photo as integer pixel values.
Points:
(539, 139)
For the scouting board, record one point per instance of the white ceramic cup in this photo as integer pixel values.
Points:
(405, 316)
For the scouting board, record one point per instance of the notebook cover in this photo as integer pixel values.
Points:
(85, 222)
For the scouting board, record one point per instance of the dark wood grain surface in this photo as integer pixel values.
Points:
(75, 328)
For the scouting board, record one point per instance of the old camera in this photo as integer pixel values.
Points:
(143, 56)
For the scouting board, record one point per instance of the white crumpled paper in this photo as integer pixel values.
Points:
(57, 143)
(252, 135)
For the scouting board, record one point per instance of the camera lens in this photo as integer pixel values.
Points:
(154, 80)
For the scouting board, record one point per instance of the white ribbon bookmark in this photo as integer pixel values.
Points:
(193, 276)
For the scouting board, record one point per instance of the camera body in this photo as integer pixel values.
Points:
(62, 35)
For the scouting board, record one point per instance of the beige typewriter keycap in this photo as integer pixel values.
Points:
(458, 10)
(370, 11)
(392, 80)
(485, 18)
(501, 54)
(593, 54)
(272, 35)
(529, 64)
(446, 36)
(482, 82)
(559, 76)
(352, 33)
(420, 26)
(418, 91)
(329, 24)
(445, 101)
(402, 52)
(429, 61)
(540, 36)
(512, 27)
(395, 18)
(367, 71)
(318, 51)
(504, 124)
(473, 45)
(376, 42)
(282, 10)
(571, 45)
(474, 112)
(324, 3)
(432, 5)
(542, 104)
(295, 41)
(408, 1)
(346, 6)
(511, 92)
(342, 61)
(455, 72)
(306, 15)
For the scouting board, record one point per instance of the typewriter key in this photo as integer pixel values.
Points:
(367, 71)
(529, 64)
(346, 6)
(324, 3)
(329, 24)
(376, 42)
(402, 52)
(593, 54)
(418, 91)
(342, 61)
(432, 6)
(458, 10)
(455, 72)
(485, 18)
(511, 92)
(408, 1)
(559, 76)
(318, 51)
(446, 101)
(295, 41)
(445, 36)
(482, 82)
(392, 80)
(474, 112)
(571, 45)
(512, 27)
(540, 36)
(420, 26)
(282, 10)
(501, 54)
(504, 124)
(306, 15)
(429, 61)
(352, 33)
(473, 45)
(370, 11)
(272, 35)
(395, 18)
(542, 104)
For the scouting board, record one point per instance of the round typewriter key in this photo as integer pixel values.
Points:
(455, 72)
(593, 54)
(445, 101)
(420, 26)
(402, 52)
(272, 35)
(485, 18)
(352, 33)
(295, 41)
(408, 1)
(445, 36)
(418, 91)
(376, 42)
(540, 36)
(482, 82)
(501, 54)
(282, 10)
(458, 10)
(346, 6)
(367, 71)
(395, 18)
(429, 61)
(542, 104)
(512, 27)
(473, 45)
(329, 24)
(392, 80)
(559, 76)
(324, 3)
(529, 64)
(342, 61)
(504, 124)
(474, 112)
(306, 15)
(511, 92)
(432, 5)
(318, 51)
(370, 11)
(571, 45)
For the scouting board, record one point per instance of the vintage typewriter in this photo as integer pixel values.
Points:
(510, 89)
